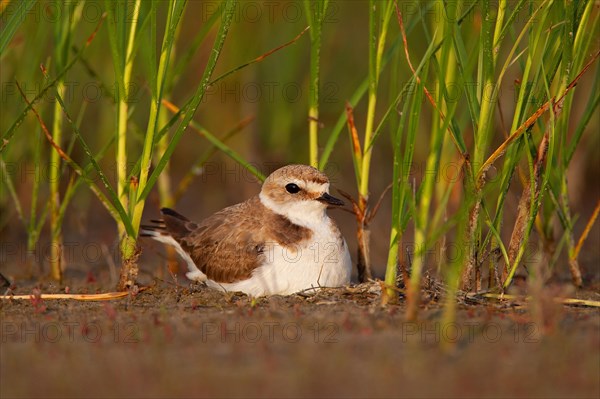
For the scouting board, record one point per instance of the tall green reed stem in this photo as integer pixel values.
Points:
(487, 96)
(362, 162)
(422, 223)
(122, 44)
(315, 13)
(164, 182)
(143, 183)
(62, 35)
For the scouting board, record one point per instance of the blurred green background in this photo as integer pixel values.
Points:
(274, 92)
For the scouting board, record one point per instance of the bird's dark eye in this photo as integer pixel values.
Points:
(292, 188)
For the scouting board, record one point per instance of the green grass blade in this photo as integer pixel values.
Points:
(216, 143)
(196, 99)
(114, 199)
(6, 179)
(201, 161)
(410, 85)
(590, 110)
(188, 55)
(14, 14)
(499, 241)
(316, 25)
(7, 136)
(257, 59)
(361, 90)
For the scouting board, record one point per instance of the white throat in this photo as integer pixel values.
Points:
(307, 213)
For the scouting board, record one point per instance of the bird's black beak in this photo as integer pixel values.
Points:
(328, 199)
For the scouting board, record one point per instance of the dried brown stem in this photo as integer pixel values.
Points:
(530, 195)
(418, 79)
(361, 207)
(586, 231)
(260, 57)
(573, 259)
(353, 134)
(375, 209)
(556, 106)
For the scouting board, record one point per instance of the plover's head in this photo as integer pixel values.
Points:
(299, 192)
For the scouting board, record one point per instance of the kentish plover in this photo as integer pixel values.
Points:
(279, 242)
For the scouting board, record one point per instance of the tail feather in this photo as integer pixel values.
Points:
(177, 225)
(173, 224)
(170, 230)
(171, 213)
(151, 230)
(155, 229)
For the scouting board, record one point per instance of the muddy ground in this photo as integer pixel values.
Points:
(178, 340)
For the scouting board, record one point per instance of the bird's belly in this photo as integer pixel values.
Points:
(320, 262)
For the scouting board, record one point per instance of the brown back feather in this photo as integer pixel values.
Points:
(230, 244)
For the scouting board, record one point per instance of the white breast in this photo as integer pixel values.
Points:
(321, 261)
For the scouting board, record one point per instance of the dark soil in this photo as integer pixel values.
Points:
(176, 341)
